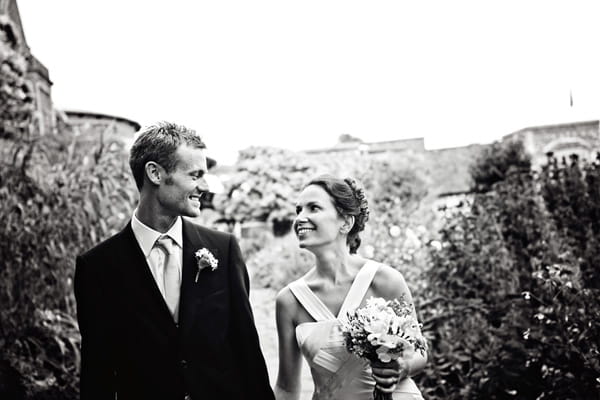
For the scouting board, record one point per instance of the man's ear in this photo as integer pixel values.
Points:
(153, 172)
(348, 224)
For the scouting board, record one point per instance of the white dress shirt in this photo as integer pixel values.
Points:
(155, 257)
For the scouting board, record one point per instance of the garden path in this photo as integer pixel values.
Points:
(263, 306)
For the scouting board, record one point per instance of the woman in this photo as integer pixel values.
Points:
(330, 214)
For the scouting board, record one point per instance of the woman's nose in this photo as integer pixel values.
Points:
(202, 185)
(300, 217)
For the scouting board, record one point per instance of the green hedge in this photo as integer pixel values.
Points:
(513, 302)
(63, 198)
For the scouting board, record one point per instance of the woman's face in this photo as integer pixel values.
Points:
(317, 221)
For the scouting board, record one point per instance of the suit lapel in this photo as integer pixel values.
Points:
(192, 291)
(143, 281)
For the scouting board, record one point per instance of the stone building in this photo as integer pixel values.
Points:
(37, 76)
(358, 146)
(47, 119)
(447, 170)
(581, 138)
(98, 124)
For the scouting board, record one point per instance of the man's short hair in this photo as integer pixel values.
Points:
(159, 143)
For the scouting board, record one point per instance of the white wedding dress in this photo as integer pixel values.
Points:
(338, 374)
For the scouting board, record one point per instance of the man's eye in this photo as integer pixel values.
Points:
(298, 209)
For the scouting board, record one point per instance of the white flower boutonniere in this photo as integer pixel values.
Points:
(205, 259)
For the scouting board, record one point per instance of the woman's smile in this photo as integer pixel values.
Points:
(303, 231)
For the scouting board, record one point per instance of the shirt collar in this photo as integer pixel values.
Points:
(147, 236)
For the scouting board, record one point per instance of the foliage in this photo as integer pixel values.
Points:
(509, 313)
(279, 262)
(395, 232)
(496, 161)
(263, 186)
(267, 180)
(571, 192)
(16, 106)
(67, 195)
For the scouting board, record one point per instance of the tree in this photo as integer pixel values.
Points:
(571, 192)
(70, 195)
(507, 309)
(495, 162)
(264, 185)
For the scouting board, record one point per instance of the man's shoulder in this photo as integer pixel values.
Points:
(208, 232)
(107, 246)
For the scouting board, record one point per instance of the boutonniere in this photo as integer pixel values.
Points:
(205, 258)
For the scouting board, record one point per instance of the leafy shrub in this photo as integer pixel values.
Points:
(279, 262)
(266, 181)
(496, 161)
(264, 185)
(69, 193)
(396, 234)
(509, 312)
(571, 192)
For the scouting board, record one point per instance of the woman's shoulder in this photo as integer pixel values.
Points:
(388, 282)
(285, 298)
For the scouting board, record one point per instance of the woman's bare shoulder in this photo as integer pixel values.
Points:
(285, 298)
(389, 283)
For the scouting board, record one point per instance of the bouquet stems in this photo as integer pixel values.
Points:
(379, 395)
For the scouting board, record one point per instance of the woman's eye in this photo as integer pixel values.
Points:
(298, 209)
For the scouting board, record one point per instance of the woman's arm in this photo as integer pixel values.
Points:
(290, 358)
(390, 284)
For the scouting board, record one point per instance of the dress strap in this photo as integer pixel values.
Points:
(359, 287)
(309, 300)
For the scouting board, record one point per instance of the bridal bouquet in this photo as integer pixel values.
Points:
(383, 330)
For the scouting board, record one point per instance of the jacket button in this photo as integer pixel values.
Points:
(187, 397)
(183, 363)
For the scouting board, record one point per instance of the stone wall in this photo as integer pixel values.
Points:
(97, 124)
(38, 77)
(581, 138)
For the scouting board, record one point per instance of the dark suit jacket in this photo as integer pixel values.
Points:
(131, 345)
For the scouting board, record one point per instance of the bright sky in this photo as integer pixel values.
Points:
(298, 74)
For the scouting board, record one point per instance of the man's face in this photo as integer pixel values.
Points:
(180, 192)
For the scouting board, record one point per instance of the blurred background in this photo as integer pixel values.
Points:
(473, 127)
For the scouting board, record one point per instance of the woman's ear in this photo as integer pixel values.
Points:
(348, 224)
(153, 172)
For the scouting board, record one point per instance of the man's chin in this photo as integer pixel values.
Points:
(192, 211)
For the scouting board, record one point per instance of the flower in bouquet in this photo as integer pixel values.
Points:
(383, 330)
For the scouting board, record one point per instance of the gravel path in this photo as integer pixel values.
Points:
(263, 306)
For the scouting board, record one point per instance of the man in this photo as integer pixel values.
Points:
(163, 305)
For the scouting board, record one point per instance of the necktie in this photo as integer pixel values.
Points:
(172, 282)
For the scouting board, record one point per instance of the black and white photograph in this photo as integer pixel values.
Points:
(283, 200)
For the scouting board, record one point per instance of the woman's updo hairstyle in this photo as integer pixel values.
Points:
(348, 199)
